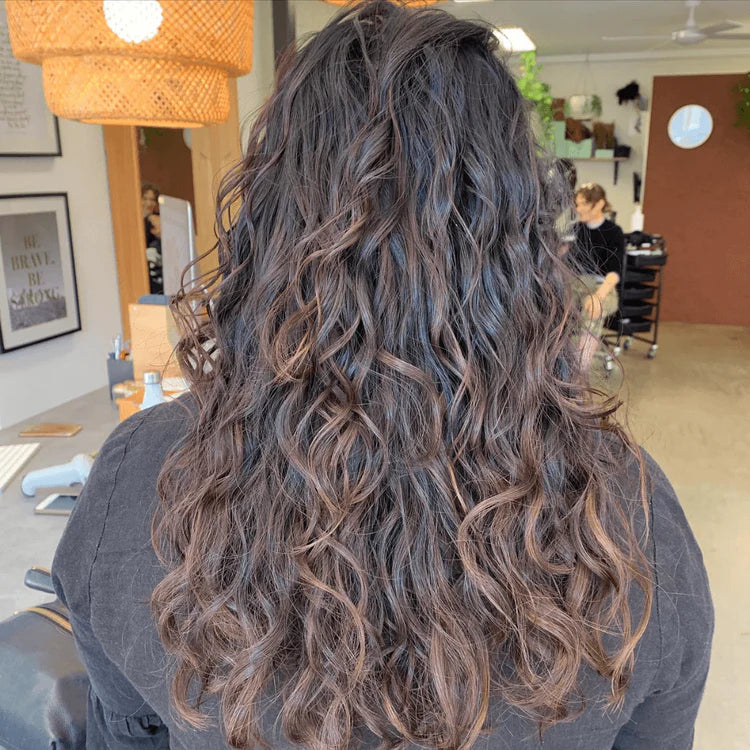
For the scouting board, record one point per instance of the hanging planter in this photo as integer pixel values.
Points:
(135, 62)
(581, 105)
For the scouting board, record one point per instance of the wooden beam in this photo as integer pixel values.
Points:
(123, 172)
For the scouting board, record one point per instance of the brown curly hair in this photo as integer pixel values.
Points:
(395, 499)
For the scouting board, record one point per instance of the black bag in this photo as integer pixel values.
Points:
(43, 685)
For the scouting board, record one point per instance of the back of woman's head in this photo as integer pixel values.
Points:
(592, 193)
(393, 500)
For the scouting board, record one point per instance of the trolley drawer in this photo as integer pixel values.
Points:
(636, 309)
(635, 325)
(647, 261)
(637, 292)
(637, 277)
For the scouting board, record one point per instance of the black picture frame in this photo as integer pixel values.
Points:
(34, 154)
(48, 308)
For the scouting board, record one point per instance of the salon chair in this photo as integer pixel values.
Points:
(44, 690)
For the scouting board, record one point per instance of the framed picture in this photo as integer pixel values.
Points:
(38, 294)
(27, 127)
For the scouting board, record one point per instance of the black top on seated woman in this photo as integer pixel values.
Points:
(600, 242)
(389, 513)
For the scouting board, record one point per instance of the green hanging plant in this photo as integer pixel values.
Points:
(596, 105)
(743, 104)
(593, 106)
(536, 91)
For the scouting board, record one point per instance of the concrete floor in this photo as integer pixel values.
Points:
(690, 408)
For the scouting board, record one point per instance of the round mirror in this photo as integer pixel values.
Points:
(690, 126)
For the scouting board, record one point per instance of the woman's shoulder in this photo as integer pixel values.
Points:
(610, 226)
(113, 513)
(132, 456)
(667, 524)
(160, 425)
(135, 450)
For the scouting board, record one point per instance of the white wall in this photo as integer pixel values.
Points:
(312, 16)
(42, 376)
(604, 75)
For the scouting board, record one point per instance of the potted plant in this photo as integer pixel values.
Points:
(580, 105)
(536, 91)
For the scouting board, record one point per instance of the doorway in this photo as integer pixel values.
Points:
(165, 164)
(214, 149)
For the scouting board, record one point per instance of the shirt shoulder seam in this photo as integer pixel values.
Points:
(106, 512)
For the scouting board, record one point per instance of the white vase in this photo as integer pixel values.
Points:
(637, 219)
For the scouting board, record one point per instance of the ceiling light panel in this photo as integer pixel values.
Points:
(514, 39)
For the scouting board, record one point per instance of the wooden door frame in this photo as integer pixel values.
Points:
(124, 177)
(215, 149)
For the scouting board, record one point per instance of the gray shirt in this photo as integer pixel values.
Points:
(105, 570)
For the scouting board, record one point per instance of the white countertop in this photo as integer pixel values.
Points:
(27, 538)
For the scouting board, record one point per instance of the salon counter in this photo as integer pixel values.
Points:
(27, 538)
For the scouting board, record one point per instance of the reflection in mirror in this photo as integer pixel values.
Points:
(690, 126)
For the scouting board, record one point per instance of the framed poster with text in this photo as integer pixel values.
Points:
(27, 127)
(38, 294)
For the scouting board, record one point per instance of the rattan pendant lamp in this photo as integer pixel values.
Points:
(135, 62)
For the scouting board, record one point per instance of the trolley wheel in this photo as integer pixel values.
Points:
(652, 351)
(616, 351)
(608, 366)
(626, 343)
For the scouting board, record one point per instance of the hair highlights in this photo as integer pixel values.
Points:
(394, 499)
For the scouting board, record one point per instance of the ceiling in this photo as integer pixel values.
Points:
(563, 27)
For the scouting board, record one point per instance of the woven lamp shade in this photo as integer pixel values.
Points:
(135, 62)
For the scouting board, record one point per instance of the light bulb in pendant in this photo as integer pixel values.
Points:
(133, 21)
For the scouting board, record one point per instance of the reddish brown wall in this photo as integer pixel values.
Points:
(699, 199)
(165, 161)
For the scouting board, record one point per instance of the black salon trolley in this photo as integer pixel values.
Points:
(637, 317)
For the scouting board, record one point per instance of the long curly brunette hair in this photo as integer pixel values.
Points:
(394, 501)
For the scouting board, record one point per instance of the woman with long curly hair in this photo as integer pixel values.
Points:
(389, 514)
